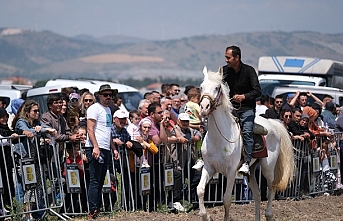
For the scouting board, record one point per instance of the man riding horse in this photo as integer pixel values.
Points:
(244, 89)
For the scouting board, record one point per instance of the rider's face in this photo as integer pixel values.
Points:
(230, 59)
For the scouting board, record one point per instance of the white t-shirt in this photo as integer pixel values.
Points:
(103, 125)
(260, 109)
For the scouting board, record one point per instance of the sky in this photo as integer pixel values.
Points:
(165, 20)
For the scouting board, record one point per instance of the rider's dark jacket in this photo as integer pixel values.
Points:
(245, 82)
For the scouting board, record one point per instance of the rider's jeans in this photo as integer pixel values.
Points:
(247, 125)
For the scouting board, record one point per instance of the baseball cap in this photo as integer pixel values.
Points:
(74, 95)
(120, 114)
(183, 116)
(290, 95)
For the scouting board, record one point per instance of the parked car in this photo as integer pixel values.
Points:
(10, 92)
(318, 91)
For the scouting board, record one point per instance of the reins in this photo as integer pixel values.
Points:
(214, 103)
(239, 131)
(240, 104)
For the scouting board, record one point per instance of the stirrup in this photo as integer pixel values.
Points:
(244, 169)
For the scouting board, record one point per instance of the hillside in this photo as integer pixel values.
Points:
(46, 55)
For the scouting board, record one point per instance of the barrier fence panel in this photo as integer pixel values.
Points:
(324, 164)
(29, 177)
(39, 175)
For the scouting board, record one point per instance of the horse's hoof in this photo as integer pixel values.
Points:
(207, 218)
(269, 218)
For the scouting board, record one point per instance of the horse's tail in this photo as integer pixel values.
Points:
(284, 168)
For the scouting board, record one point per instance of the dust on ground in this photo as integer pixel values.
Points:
(317, 208)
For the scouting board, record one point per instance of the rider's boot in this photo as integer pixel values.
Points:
(244, 169)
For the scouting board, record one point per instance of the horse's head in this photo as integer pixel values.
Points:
(211, 91)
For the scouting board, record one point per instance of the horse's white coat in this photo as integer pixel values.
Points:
(222, 146)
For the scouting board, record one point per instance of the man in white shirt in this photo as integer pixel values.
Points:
(98, 146)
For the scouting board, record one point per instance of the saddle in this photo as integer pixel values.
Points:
(260, 145)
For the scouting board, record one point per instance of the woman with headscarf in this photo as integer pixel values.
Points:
(313, 127)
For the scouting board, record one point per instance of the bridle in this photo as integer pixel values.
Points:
(214, 103)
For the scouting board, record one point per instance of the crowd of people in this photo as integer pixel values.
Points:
(97, 123)
(95, 134)
(314, 123)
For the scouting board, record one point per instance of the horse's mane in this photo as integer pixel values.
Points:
(217, 78)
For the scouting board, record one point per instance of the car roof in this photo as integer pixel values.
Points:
(286, 77)
(294, 88)
(92, 85)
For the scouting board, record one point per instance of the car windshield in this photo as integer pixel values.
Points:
(131, 100)
(310, 100)
(267, 86)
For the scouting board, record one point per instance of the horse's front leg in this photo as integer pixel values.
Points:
(227, 196)
(206, 175)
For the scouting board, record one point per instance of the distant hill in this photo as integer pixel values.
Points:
(46, 55)
(110, 40)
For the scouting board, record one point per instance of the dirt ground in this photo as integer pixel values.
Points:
(323, 208)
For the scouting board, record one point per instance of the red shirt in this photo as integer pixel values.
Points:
(78, 161)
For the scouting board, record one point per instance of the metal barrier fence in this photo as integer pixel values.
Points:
(39, 175)
(29, 177)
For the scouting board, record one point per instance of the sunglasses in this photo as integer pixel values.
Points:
(183, 100)
(74, 100)
(88, 100)
(160, 112)
(278, 102)
(107, 95)
(287, 116)
(167, 118)
(35, 111)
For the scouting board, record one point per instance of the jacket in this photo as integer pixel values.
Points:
(244, 82)
(57, 122)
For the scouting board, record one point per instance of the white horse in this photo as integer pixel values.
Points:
(223, 143)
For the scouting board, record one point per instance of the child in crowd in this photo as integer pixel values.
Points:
(82, 131)
(133, 128)
(74, 156)
(193, 109)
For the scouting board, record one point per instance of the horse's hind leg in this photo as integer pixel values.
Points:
(206, 175)
(269, 175)
(255, 191)
(227, 196)
(271, 195)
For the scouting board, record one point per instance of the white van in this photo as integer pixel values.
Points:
(130, 95)
(319, 92)
(10, 92)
